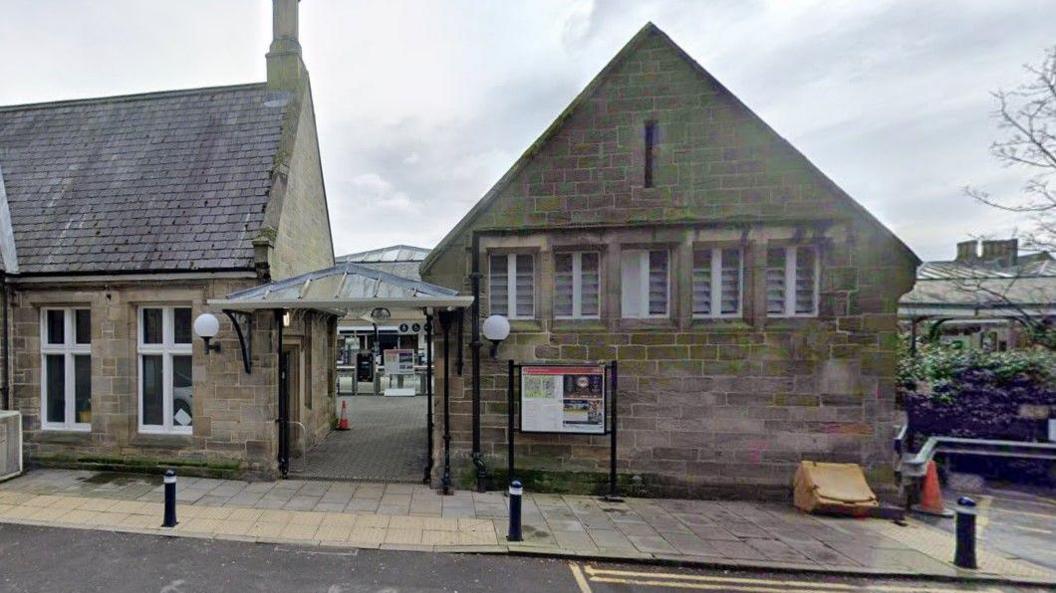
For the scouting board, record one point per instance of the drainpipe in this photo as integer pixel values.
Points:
(6, 386)
(284, 402)
(474, 277)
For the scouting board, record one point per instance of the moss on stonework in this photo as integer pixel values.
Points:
(571, 482)
(198, 468)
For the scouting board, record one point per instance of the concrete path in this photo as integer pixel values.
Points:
(385, 443)
(406, 516)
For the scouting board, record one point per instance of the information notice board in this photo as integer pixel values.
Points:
(399, 361)
(563, 399)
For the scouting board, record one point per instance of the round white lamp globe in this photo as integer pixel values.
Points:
(496, 328)
(206, 326)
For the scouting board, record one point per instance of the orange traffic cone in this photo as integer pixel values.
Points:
(342, 424)
(931, 495)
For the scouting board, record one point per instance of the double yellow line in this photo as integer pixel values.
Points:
(588, 574)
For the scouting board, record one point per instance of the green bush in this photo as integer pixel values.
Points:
(969, 393)
(938, 370)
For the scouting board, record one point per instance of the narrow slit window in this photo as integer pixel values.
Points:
(650, 151)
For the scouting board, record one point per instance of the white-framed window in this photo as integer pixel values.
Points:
(792, 281)
(511, 285)
(66, 369)
(577, 285)
(718, 282)
(645, 283)
(166, 388)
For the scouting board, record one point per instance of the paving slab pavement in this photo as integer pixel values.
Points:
(411, 516)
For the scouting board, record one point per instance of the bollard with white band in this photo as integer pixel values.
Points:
(964, 556)
(514, 534)
(170, 499)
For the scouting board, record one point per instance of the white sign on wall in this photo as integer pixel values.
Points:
(563, 399)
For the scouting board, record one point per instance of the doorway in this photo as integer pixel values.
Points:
(293, 385)
(386, 442)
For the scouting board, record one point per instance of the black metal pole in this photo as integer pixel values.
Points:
(429, 395)
(509, 425)
(474, 344)
(170, 499)
(613, 490)
(964, 555)
(445, 480)
(284, 402)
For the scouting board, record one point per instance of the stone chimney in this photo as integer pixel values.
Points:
(967, 250)
(1003, 253)
(286, 71)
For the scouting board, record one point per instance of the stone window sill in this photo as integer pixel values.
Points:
(70, 437)
(792, 323)
(170, 441)
(720, 324)
(665, 324)
(524, 325)
(579, 325)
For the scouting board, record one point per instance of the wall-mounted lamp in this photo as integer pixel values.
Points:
(206, 326)
(496, 329)
(286, 318)
(380, 314)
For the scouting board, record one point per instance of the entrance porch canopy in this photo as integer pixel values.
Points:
(345, 289)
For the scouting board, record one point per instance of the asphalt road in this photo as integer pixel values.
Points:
(1017, 519)
(53, 560)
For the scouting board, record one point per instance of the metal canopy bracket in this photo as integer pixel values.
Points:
(243, 323)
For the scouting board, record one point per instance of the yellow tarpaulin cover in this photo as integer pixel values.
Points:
(838, 488)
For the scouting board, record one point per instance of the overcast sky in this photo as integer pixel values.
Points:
(422, 106)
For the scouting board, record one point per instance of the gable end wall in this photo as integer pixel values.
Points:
(706, 407)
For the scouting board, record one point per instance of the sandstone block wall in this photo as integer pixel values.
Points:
(705, 405)
(234, 412)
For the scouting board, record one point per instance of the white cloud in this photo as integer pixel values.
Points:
(422, 105)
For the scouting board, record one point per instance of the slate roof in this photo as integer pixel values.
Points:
(398, 260)
(170, 181)
(1035, 264)
(978, 288)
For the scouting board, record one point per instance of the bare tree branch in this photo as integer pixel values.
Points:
(1028, 116)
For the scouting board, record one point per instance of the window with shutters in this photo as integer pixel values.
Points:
(511, 285)
(66, 369)
(792, 281)
(645, 283)
(577, 285)
(718, 280)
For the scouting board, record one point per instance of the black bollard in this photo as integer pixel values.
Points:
(514, 534)
(964, 557)
(170, 499)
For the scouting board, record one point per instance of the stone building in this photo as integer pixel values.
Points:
(120, 217)
(658, 222)
(993, 299)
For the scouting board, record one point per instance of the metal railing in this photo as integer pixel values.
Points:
(911, 467)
